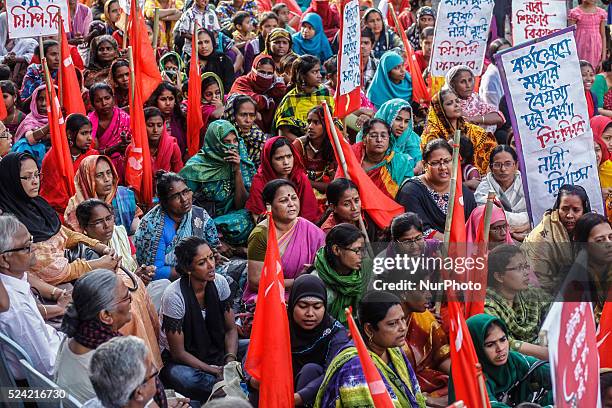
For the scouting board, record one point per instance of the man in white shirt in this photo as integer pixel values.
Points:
(23, 322)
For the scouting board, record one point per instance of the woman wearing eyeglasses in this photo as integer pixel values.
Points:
(499, 230)
(174, 218)
(505, 179)
(199, 334)
(101, 305)
(339, 265)
(511, 297)
(97, 220)
(386, 167)
(428, 194)
(19, 186)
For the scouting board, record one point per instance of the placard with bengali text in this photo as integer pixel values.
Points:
(533, 19)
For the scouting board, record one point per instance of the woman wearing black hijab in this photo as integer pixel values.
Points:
(19, 188)
(316, 338)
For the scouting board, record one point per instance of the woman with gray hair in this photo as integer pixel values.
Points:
(122, 374)
(101, 305)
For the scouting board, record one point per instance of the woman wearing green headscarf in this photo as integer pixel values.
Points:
(502, 367)
(171, 65)
(220, 176)
(398, 114)
(339, 265)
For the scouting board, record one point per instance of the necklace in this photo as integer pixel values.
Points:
(312, 147)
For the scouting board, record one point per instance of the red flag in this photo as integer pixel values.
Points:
(194, 97)
(269, 356)
(3, 112)
(138, 169)
(348, 90)
(420, 93)
(69, 84)
(468, 380)
(475, 298)
(458, 232)
(378, 389)
(604, 337)
(144, 55)
(59, 141)
(379, 206)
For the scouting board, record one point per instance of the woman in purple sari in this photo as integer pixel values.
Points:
(298, 239)
(110, 125)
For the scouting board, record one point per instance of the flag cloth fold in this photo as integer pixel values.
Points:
(3, 111)
(72, 102)
(604, 337)
(269, 356)
(420, 93)
(379, 206)
(59, 141)
(138, 169)
(194, 110)
(378, 389)
(150, 76)
(466, 375)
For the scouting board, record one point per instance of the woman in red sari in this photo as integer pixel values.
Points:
(52, 185)
(165, 152)
(110, 126)
(279, 160)
(264, 87)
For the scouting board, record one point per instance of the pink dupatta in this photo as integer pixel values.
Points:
(120, 123)
(34, 119)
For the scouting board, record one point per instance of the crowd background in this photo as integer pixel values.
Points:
(119, 300)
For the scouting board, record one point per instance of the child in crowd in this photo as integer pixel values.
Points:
(243, 29)
(590, 22)
(284, 17)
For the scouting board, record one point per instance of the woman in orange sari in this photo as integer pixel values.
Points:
(445, 117)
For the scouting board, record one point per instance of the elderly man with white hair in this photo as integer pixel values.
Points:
(23, 322)
(122, 374)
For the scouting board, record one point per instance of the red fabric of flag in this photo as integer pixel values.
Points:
(59, 141)
(269, 356)
(379, 206)
(138, 169)
(458, 233)
(420, 93)
(604, 337)
(475, 298)
(378, 389)
(465, 372)
(69, 83)
(194, 109)
(150, 76)
(351, 101)
(3, 112)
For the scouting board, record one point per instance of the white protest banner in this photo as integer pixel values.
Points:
(349, 61)
(533, 19)
(460, 37)
(125, 5)
(36, 18)
(550, 119)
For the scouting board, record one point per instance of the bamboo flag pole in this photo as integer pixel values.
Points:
(481, 385)
(453, 188)
(41, 49)
(155, 28)
(125, 28)
(487, 217)
(345, 170)
(130, 56)
(60, 89)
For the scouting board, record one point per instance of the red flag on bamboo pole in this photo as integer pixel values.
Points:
(269, 356)
(144, 55)
(420, 93)
(68, 81)
(138, 169)
(458, 233)
(194, 98)
(379, 206)
(468, 380)
(378, 389)
(57, 130)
